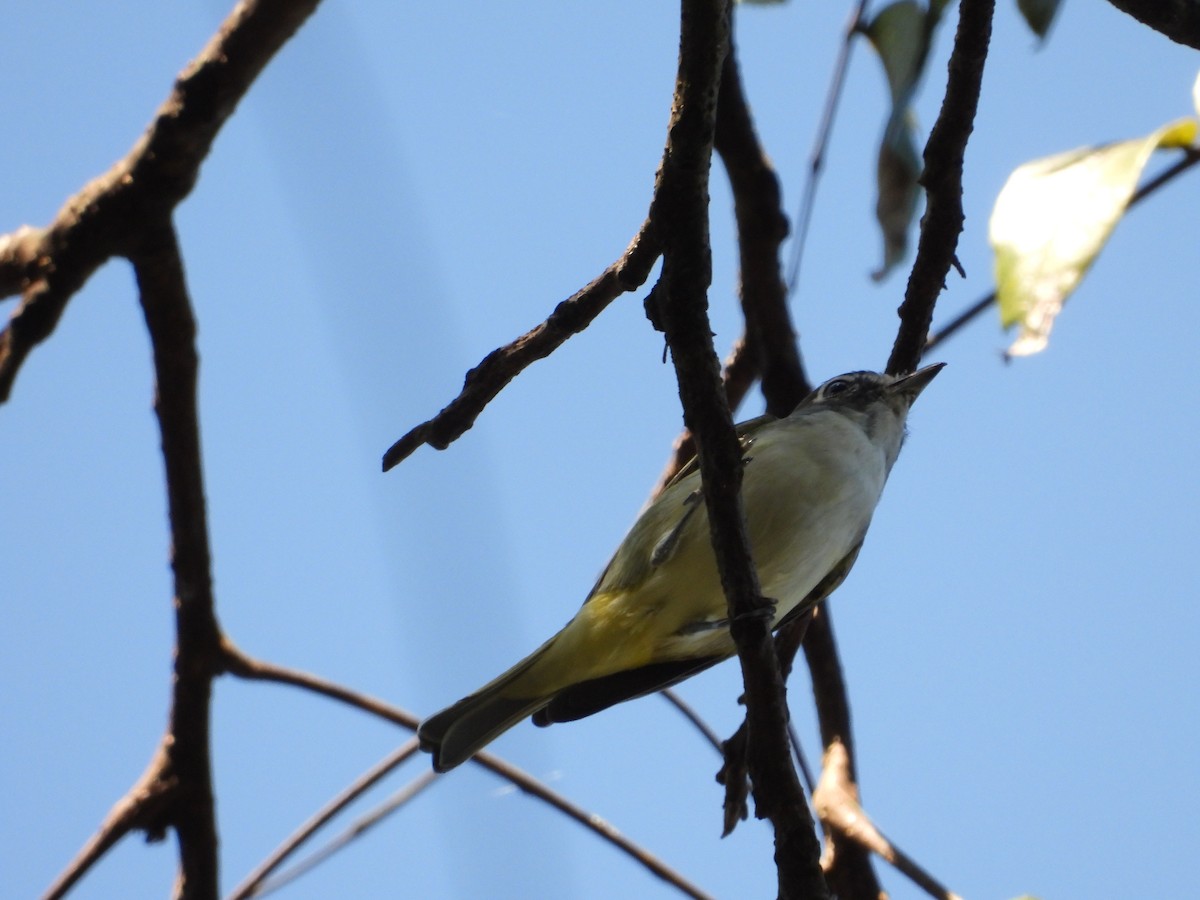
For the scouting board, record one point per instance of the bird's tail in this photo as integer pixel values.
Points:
(458, 732)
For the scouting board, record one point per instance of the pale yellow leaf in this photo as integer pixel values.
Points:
(1053, 217)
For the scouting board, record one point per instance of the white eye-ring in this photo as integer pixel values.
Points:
(837, 386)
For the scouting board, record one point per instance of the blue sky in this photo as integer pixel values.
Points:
(411, 185)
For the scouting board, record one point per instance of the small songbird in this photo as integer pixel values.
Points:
(658, 614)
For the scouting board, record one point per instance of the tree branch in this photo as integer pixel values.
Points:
(502, 365)
(762, 227)
(244, 666)
(238, 663)
(251, 883)
(108, 216)
(942, 180)
(356, 830)
(679, 306)
(144, 807)
(1177, 19)
(168, 313)
(768, 347)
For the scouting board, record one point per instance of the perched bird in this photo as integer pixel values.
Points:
(658, 614)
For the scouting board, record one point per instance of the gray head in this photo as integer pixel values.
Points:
(859, 390)
(878, 403)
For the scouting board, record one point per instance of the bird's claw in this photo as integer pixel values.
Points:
(764, 611)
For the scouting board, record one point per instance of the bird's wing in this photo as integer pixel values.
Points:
(655, 536)
(825, 586)
(588, 697)
(745, 432)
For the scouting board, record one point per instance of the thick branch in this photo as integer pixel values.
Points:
(768, 347)
(168, 312)
(762, 228)
(942, 180)
(1177, 19)
(108, 216)
(680, 307)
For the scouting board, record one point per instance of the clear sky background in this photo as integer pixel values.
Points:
(409, 186)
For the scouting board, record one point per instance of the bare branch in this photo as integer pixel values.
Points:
(1177, 19)
(243, 666)
(816, 160)
(680, 309)
(235, 662)
(168, 312)
(144, 807)
(355, 831)
(109, 215)
(501, 366)
(526, 783)
(942, 180)
(768, 347)
(847, 864)
(762, 228)
(692, 716)
(251, 883)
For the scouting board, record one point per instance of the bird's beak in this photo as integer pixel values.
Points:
(910, 386)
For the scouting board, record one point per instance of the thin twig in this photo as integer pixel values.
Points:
(502, 365)
(810, 783)
(692, 716)
(241, 665)
(824, 131)
(250, 884)
(526, 783)
(355, 831)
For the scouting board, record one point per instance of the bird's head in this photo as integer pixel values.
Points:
(862, 390)
(878, 403)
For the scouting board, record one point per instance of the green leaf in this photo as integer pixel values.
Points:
(897, 172)
(1053, 217)
(900, 35)
(1038, 14)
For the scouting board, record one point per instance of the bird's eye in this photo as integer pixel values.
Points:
(837, 386)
